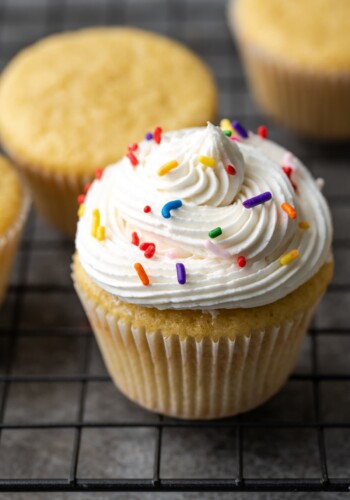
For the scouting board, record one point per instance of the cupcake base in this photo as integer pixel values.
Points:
(9, 243)
(193, 376)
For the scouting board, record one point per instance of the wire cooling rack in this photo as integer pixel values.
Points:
(63, 425)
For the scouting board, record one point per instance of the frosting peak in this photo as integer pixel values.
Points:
(242, 237)
(191, 180)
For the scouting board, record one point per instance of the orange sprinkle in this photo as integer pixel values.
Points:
(290, 211)
(141, 273)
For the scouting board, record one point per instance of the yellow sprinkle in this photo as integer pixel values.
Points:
(304, 225)
(95, 222)
(100, 233)
(289, 257)
(225, 124)
(208, 161)
(81, 210)
(167, 167)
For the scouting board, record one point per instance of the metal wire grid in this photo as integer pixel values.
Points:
(202, 26)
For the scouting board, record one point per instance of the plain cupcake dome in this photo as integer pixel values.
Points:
(297, 59)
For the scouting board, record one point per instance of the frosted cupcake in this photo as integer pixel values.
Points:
(200, 269)
(14, 204)
(297, 59)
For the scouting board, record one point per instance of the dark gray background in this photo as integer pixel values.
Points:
(53, 338)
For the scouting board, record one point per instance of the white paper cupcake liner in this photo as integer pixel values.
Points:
(192, 379)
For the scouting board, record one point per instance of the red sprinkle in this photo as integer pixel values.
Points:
(230, 169)
(135, 240)
(133, 160)
(81, 198)
(145, 245)
(133, 147)
(241, 261)
(262, 131)
(157, 135)
(288, 171)
(87, 187)
(150, 251)
(147, 209)
(99, 173)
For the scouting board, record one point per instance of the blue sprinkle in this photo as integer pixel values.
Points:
(240, 130)
(149, 136)
(181, 273)
(171, 205)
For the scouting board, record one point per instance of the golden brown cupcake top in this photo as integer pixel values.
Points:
(72, 102)
(314, 34)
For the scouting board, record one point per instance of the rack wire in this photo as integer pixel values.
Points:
(63, 426)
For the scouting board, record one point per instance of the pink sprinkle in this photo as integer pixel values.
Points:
(147, 209)
(171, 254)
(217, 250)
(135, 240)
(234, 138)
(287, 158)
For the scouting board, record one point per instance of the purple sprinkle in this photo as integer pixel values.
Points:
(257, 200)
(181, 273)
(149, 136)
(240, 130)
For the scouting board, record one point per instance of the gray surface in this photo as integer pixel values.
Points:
(111, 452)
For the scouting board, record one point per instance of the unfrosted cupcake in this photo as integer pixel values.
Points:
(14, 204)
(72, 103)
(297, 59)
(200, 269)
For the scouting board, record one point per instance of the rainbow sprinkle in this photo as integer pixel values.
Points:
(214, 233)
(241, 261)
(133, 160)
(167, 167)
(290, 211)
(304, 224)
(133, 147)
(100, 234)
(81, 210)
(135, 240)
(228, 133)
(257, 200)
(171, 205)
(149, 136)
(98, 173)
(241, 131)
(95, 222)
(262, 131)
(81, 198)
(181, 273)
(141, 273)
(230, 169)
(87, 187)
(147, 209)
(157, 135)
(226, 125)
(150, 251)
(289, 257)
(208, 161)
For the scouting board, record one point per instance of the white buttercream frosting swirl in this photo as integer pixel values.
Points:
(210, 198)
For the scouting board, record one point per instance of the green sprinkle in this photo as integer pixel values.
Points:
(228, 133)
(214, 233)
